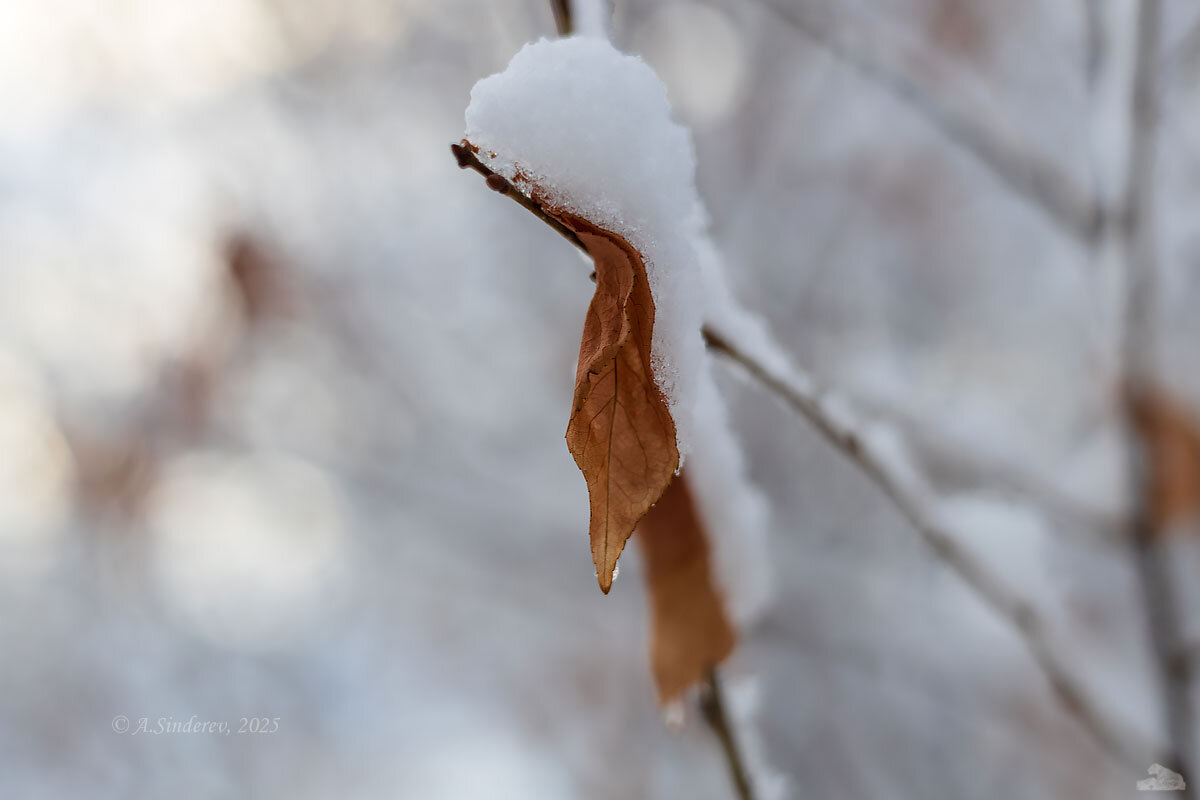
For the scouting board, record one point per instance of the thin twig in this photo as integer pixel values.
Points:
(715, 708)
(909, 498)
(921, 87)
(498, 183)
(1094, 521)
(562, 16)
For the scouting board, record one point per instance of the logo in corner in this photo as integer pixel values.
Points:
(1161, 780)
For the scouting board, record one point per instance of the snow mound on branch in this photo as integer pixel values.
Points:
(592, 128)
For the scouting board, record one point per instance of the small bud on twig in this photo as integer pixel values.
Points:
(498, 183)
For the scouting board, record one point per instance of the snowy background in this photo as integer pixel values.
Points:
(283, 393)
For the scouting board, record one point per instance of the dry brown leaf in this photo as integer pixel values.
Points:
(689, 631)
(1172, 447)
(621, 432)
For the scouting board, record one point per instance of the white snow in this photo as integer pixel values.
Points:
(592, 129)
(734, 511)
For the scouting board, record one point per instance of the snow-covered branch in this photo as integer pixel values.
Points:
(882, 458)
(878, 453)
(716, 712)
(1133, 234)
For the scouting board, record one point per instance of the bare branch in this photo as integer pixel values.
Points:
(923, 86)
(912, 500)
(716, 714)
(562, 16)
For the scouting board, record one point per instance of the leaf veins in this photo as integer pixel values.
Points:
(620, 432)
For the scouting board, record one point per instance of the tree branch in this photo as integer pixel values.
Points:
(464, 153)
(715, 708)
(1137, 238)
(910, 497)
(922, 86)
(562, 16)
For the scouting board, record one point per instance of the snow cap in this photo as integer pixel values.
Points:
(591, 127)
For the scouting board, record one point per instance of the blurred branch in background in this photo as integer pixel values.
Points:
(116, 473)
(1185, 55)
(943, 452)
(1163, 515)
(929, 89)
(562, 10)
(562, 16)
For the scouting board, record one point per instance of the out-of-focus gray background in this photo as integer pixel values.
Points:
(283, 392)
